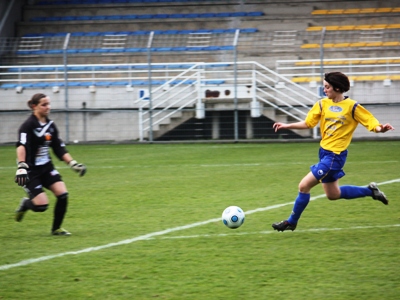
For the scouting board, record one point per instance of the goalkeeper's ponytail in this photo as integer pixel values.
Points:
(35, 99)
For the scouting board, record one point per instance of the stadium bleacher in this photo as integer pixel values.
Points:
(371, 10)
(148, 16)
(141, 32)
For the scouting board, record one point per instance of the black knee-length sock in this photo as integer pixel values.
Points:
(59, 211)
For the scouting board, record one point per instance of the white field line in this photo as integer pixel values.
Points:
(163, 232)
(269, 231)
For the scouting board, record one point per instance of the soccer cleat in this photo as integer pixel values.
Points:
(60, 231)
(283, 225)
(21, 210)
(377, 194)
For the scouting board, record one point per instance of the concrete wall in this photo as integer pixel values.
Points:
(113, 113)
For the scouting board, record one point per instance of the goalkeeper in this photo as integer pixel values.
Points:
(35, 169)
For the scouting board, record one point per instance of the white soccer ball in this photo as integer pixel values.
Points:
(233, 217)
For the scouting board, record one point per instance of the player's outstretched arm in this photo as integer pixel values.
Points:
(298, 125)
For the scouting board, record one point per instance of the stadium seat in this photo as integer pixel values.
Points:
(9, 85)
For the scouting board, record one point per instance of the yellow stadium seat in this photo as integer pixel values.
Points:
(395, 77)
(332, 27)
(358, 44)
(319, 12)
(329, 45)
(392, 26)
(389, 44)
(384, 10)
(378, 26)
(335, 11)
(351, 11)
(374, 44)
(347, 27)
(299, 79)
(303, 63)
(361, 27)
(380, 77)
(305, 79)
(396, 9)
(384, 61)
(363, 78)
(367, 10)
(368, 61)
(308, 46)
(341, 45)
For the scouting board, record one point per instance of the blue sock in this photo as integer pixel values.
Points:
(352, 191)
(300, 205)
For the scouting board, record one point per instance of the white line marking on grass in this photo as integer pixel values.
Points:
(152, 235)
(269, 232)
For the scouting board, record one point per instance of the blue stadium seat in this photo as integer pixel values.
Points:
(238, 14)
(39, 85)
(47, 69)
(114, 17)
(78, 33)
(119, 50)
(129, 17)
(222, 15)
(135, 50)
(9, 86)
(118, 83)
(67, 18)
(100, 50)
(93, 33)
(146, 16)
(140, 32)
(82, 18)
(176, 16)
(96, 18)
(79, 68)
(207, 15)
(55, 51)
(255, 14)
(103, 83)
(163, 49)
(215, 81)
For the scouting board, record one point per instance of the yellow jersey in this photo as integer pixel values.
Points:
(338, 122)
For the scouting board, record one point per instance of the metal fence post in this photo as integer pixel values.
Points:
(236, 113)
(65, 47)
(150, 96)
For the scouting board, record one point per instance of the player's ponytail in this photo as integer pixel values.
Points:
(35, 99)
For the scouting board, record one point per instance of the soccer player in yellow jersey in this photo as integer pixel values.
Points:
(338, 116)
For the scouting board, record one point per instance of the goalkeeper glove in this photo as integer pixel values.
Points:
(79, 168)
(21, 177)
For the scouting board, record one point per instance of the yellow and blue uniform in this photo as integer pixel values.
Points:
(338, 122)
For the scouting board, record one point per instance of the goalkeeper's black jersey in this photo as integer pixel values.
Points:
(38, 138)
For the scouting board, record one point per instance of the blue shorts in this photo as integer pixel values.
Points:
(330, 166)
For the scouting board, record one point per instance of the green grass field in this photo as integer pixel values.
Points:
(145, 224)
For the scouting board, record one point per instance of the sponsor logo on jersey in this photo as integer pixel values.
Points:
(334, 108)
